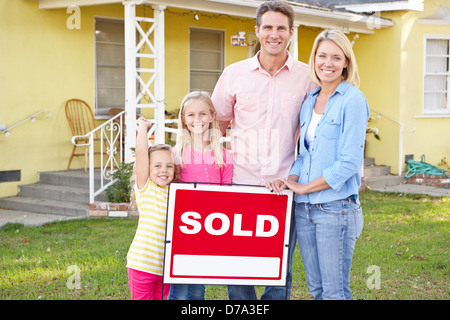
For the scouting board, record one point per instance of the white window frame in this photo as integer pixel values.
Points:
(96, 108)
(445, 112)
(223, 51)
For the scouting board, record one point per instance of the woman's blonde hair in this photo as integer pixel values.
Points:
(350, 73)
(184, 135)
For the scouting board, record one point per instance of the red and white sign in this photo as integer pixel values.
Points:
(227, 235)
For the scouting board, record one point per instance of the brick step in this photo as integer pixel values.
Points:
(376, 171)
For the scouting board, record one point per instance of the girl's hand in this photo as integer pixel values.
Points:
(144, 123)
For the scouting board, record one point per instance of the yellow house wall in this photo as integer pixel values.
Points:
(391, 70)
(178, 23)
(44, 64)
(378, 63)
(432, 135)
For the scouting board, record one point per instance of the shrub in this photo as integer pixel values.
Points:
(121, 190)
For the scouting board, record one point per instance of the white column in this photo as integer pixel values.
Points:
(159, 68)
(294, 44)
(130, 80)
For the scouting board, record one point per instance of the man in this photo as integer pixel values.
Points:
(262, 96)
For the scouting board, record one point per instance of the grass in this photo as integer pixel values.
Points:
(402, 254)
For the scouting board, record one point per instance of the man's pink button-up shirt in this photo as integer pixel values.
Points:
(265, 111)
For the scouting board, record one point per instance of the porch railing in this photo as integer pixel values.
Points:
(109, 137)
(112, 141)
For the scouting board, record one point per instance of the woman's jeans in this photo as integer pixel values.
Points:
(327, 235)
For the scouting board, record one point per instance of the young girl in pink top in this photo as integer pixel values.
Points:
(201, 158)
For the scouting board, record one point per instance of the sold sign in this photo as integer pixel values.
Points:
(226, 235)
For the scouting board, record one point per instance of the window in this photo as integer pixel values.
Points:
(206, 60)
(109, 65)
(436, 75)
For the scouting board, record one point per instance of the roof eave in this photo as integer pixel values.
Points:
(304, 15)
(415, 5)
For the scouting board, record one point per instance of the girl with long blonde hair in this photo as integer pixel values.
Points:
(201, 158)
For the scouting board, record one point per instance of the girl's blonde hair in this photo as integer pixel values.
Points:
(350, 73)
(184, 135)
(151, 149)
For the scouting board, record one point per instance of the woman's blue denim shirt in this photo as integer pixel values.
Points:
(337, 152)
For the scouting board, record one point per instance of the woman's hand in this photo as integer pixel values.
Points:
(295, 186)
(276, 186)
(279, 185)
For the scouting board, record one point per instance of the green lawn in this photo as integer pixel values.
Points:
(402, 254)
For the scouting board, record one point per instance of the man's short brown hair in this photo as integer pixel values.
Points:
(276, 6)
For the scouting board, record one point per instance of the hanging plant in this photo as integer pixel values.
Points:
(374, 131)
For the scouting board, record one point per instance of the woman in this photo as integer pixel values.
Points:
(326, 175)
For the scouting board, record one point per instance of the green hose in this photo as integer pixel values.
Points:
(416, 167)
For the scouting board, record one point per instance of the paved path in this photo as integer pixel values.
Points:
(38, 219)
(29, 218)
(416, 189)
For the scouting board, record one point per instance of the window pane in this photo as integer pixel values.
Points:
(206, 40)
(437, 65)
(109, 31)
(110, 77)
(110, 54)
(435, 83)
(110, 65)
(204, 81)
(110, 98)
(436, 78)
(435, 102)
(437, 47)
(206, 60)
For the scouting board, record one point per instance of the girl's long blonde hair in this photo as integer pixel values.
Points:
(184, 135)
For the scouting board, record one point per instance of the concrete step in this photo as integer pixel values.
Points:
(376, 171)
(74, 178)
(46, 206)
(62, 194)
(383, 181)
(369, 162)
(58, 192)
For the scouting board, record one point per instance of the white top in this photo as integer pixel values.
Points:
(310, 132)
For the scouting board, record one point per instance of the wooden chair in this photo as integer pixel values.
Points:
(81, 121)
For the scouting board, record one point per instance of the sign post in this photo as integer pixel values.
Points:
(219, 234)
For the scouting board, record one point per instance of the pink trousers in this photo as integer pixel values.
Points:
(146, 286)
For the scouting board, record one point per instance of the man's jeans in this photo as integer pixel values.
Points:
(270, 293)
(327, 235)
(187, 292)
